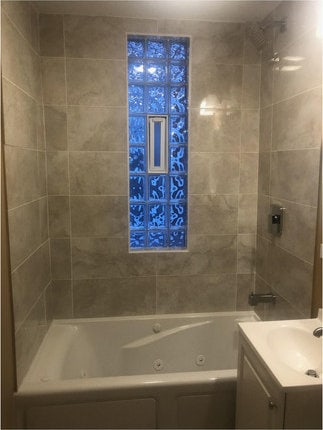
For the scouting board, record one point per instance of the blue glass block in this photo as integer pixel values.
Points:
(157, 187)
(178, 188)
(137, 129)
(157, 216)
(177, 216)
(156, 49)
(156, 100)
(136, 48)
(137, 216)
(136, 71)
(137, 239)
(156, 72)
(136, 160)
(137, 188)
(178, 159)
(177, 73)
(177, 239)
(178, 129)
(178, 99)
(136, 98)
(157, 239)
(178, 50)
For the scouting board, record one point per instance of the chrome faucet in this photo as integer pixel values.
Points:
(318, 332)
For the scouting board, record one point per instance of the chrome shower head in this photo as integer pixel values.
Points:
(256, 32)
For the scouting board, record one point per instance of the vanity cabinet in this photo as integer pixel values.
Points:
(262, 403)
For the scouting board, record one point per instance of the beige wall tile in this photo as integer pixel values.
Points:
(213, 214)
(59, 216)
(99, 216)
(299, 230)
(246, 253)
(208, 293)
(109, 258)
(223, 43)
(59, 300)
(247, 213)
(53, 78)
(41, 144)
(294, 175)
(96, 82)
(51, 35)
(21, 14)
(265, 129)
(98, 173)
(263, 216)
(251, 54)
(264, 173)
(29, 337)
(60, 250)
(114, 297)
(29, 184)
(213, 173)
(297, 122)
(262, 258)
(248, 173)
(266, 85)
(280, 310)
(57, 173)
(219, 132)
(29, 281)
(207, 255)
(222, 81)
(292, 278)
(20, 63)
(307, 72)
(97, 129)
(19, 109)
(250, 130)
(56, 128)
(250, 86)
(301, 16)
(245, 286)
(95, 37)
(27, 230)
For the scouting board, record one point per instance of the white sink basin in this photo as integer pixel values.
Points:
(296, 347)
(288, 348)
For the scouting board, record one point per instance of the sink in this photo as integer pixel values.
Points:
(296, 348)
(288, 348)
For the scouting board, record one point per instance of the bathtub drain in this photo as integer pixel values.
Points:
(158, 364)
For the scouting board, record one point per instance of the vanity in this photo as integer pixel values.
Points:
(279, 375)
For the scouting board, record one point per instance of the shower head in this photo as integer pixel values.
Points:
(256, 31)
(256, 34)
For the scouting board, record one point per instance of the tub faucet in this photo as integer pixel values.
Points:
(318, 332)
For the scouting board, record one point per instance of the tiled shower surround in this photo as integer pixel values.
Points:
(84, 63)
(289, 158)
(65, 117)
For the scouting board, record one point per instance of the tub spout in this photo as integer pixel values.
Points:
(318, 332)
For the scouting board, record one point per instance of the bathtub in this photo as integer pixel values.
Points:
(160, 371)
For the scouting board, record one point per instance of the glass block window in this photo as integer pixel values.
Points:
(158, 97)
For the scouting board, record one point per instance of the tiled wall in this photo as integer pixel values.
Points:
(84, 89)
(290, 138)
(26, 176)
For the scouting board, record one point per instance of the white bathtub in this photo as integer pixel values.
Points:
(160, 371)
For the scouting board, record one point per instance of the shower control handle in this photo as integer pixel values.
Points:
(276, 220)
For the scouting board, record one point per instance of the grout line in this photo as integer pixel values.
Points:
(27, 203)
(69, 177)
(19, 88)
(32, 308)
(29, 256)
(15, 26)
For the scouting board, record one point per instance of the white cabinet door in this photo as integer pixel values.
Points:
(256, 408)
